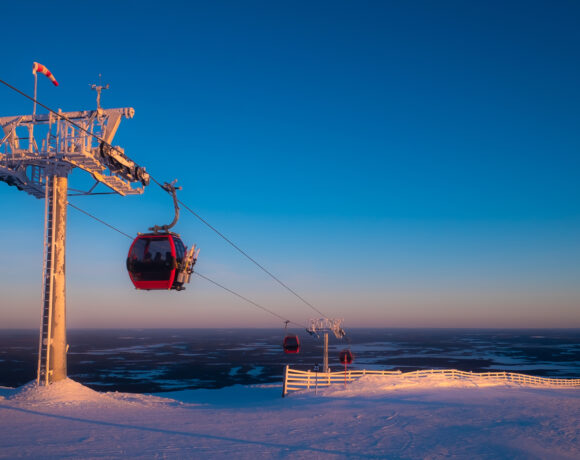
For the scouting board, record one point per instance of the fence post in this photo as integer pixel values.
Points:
(285, 379)
(308, 380)
(316, 369)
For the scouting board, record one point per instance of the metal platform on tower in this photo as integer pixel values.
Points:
(34, 145)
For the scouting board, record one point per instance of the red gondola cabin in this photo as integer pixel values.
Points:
(345, 357)
(291, 344)
(158, 261)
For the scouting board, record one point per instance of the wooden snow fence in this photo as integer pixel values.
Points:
(299, 380)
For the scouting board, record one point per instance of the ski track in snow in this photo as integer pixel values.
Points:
(373, 417)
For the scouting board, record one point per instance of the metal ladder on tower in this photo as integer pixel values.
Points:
(46, 316)
(36, 174)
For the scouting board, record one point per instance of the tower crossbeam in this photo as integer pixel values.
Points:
(34, 145)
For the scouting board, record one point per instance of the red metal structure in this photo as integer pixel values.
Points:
(157, 261)
(345, 357)
(160, 260)
(291, 344)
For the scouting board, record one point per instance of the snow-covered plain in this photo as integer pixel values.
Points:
(374, 417)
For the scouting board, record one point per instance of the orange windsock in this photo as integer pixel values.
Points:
(36, 67)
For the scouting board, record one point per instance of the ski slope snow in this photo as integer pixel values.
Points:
(371, 418)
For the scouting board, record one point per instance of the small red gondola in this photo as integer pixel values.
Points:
(345, 357)
(160, 261)
(291, 344)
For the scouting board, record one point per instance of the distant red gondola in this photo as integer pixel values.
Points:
(160, 261)
(345, 357)
(291, 344)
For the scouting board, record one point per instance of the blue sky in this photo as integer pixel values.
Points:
(396, 163)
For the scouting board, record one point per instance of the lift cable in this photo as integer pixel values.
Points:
(180, 202)
(248, 300)
(99, 220)
(245, 254)
(196, 273)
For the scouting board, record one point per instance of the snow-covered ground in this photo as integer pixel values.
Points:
(374, 417)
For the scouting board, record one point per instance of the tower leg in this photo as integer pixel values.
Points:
(325, 362)
(53, 344)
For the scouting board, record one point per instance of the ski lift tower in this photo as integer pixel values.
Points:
(326, 325)
(37, 153)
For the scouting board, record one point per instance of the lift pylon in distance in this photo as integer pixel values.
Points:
(326, 325)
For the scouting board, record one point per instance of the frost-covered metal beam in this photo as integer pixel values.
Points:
(327, 325)
(81, 139)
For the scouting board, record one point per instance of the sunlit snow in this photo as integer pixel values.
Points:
(374, 417)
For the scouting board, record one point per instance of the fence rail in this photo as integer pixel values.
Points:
(298, 380)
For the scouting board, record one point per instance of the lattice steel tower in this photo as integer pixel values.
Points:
(326, 325)
(37, 153)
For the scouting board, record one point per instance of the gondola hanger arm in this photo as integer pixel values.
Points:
(169, 188)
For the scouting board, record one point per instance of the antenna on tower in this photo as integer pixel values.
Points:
(98, 88)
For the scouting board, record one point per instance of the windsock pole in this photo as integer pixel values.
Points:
(31, 126)
(36, 67)
(35, 86)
